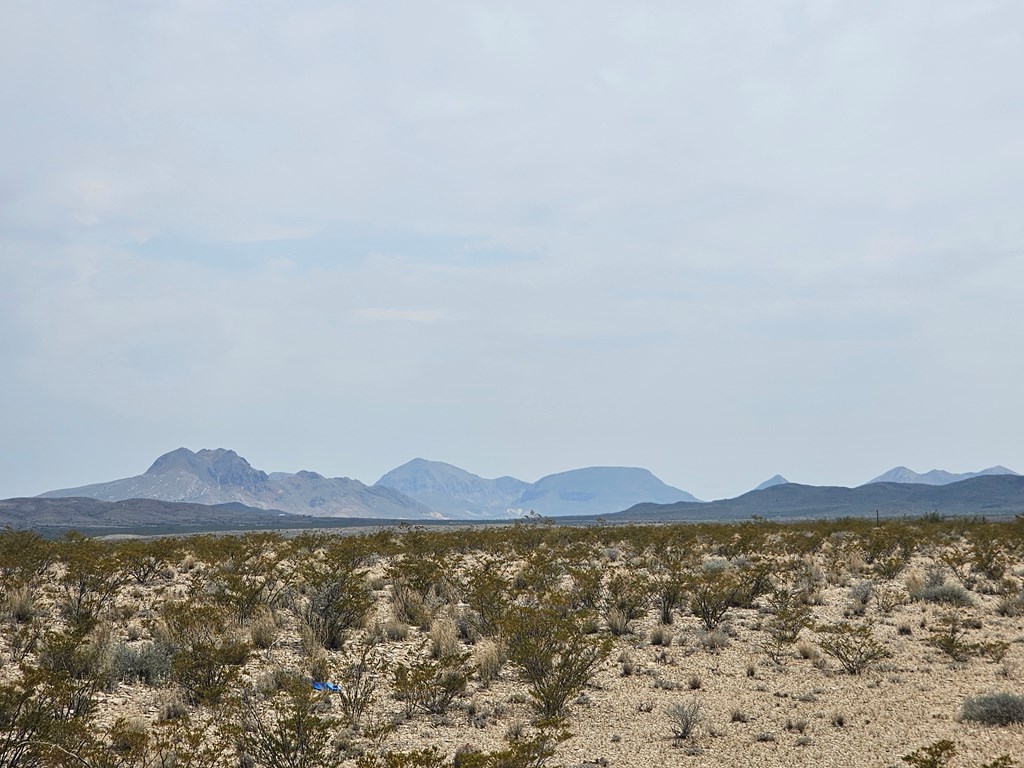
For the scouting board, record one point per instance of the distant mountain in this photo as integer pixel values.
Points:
(597, 491)
(935, 476)
(86, 513)
(984, 495)
(452, 491)
(221, 476)
(773, 480)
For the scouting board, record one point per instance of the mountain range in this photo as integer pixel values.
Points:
(183, 487)
(935, 476)
(993, 495)
(457, 493)
(221, 476)
(418, 490)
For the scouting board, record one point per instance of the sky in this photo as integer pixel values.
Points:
(716, 240)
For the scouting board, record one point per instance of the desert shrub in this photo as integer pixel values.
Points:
(949, 636)
(358, 678)
(994, 709)
(206, 655)
(430, 684)
(263, 631)
(534, 752)
(24, 556)
(20, 604)
(149, 663)
(409, 605)
(252, 573)
(935, 755)
(171, 708)
(1011, 606)
(587, 587)
(684, 717)
(45, 716)
(337, 604)
(888, 599)
(862, 591)
(712, 593)
(92, 576)
(556, 658)
(81, 653)
(713, 640)
(789, 615)
(626, 600)
(286, 728)
(485, 590)
(143, 559)
(854, 647)
(395, 629)
(946, 593)
(661, 636)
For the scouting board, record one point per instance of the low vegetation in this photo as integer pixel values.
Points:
(524, 645)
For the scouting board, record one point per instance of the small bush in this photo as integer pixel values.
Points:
(852, 646)
(395, 629)
(21, 605)
(171, 709)
(263, 631)
(683, 718)
(661, 636)
(444, 638)
(994, 709)
(490, 658)
(148, 663)
(713, 641)
(947, 593)
(935, 755)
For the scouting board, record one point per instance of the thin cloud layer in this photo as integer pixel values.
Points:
(719, 241)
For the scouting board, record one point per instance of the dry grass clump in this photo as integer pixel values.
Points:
(264, 630)
(444, 638)
(489, 659)
(21, 604)
(994, 709)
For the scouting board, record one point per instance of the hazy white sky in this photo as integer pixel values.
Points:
(718, 240)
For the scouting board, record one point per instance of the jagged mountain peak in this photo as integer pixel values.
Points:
(903, 474)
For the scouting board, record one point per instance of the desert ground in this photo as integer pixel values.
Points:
(840, 643)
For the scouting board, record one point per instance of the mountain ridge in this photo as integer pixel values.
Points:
(221, 476)
(588, 490)
(903, 474)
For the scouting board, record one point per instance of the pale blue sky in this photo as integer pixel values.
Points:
(718, 240)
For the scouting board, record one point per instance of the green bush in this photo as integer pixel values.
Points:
(994, 709)
(337, 605)
(556, 658)
(206, 655)
(432, 684)
(284, 728)
(854, 647)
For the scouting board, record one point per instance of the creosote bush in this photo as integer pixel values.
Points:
(854, 647)
(555, 657)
